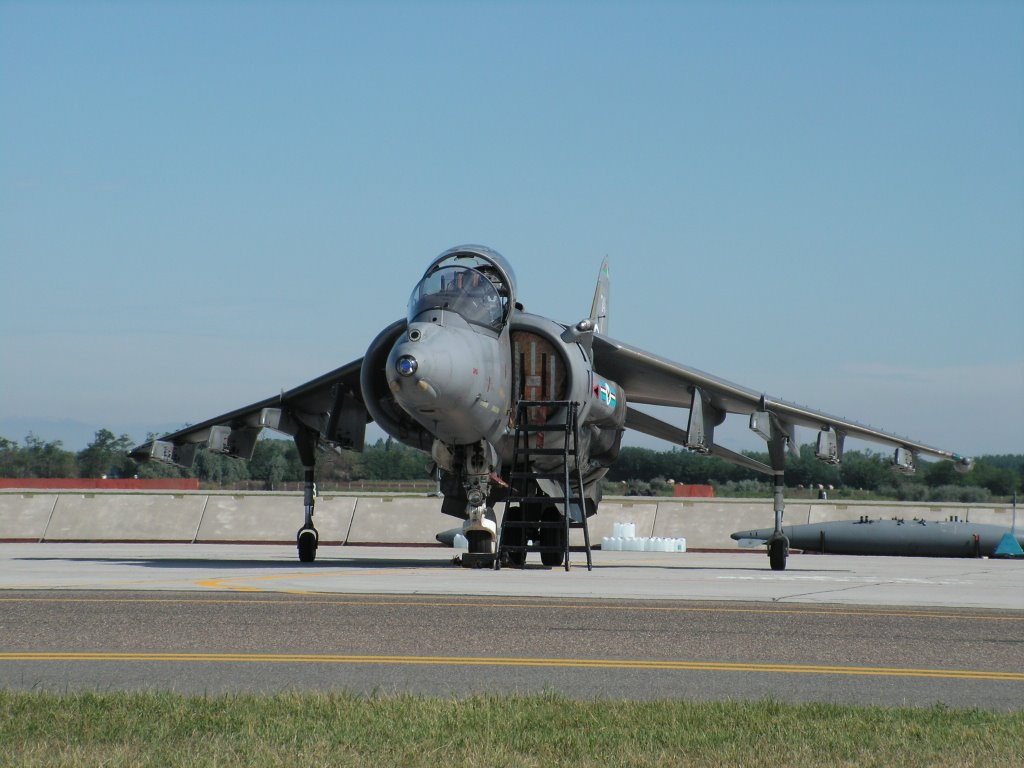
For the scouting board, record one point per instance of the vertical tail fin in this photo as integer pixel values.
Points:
(599, 309)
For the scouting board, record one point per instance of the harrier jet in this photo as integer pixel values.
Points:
(518, 409)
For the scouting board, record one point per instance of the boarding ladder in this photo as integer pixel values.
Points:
(523, 493)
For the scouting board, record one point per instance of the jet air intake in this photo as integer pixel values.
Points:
(380, 400)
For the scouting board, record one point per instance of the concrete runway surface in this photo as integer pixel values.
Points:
(209, 619)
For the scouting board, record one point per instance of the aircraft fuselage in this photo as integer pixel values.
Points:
(452, 378)
(466, 357)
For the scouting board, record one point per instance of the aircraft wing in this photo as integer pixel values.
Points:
(329, 407)
(653, 380)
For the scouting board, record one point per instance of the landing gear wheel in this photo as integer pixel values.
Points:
(552, 537)
(778, 551)
(307, 542)
(479, 544)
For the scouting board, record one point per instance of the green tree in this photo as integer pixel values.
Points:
(218, 469)
(810, 472)
(47, 459)
(276, 470)
(274, 461)
(938, 473)
(106, 456)
(390, 460)
(999, 480)
(340, 467)
(867, 471)
(37, 458)
(11, 462)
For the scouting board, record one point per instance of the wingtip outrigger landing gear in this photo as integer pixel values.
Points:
(778, 544)
(308, 538)
(778, 436)
(778, 551)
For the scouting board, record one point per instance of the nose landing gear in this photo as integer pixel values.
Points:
(480, 530)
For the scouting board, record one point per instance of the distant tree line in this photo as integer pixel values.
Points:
(862, 474)
(274, 462)
(637, 471)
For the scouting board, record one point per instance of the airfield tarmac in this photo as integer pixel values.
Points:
(220, 618)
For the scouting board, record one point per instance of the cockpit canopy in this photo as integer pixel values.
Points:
(462, 290)
(470, 280)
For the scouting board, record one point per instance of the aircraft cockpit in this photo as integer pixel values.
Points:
(462, 290)
(472, 281)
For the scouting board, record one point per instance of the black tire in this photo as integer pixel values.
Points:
(515, 537)
(553, 536)
(778, 552)
(479, 543)
(307, 544)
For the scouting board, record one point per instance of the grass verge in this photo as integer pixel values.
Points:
(159, 729)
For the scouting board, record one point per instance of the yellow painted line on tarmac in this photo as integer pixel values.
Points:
(225, 583)
(375, 600)
(651, 664)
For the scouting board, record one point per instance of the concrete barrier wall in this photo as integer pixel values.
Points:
(272, 517)
(125, 517)
(398, 520)
(23, 516)
(707, 523)
(404, 519)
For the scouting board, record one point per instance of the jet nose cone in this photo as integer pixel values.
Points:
(447, 378)
(416, 369)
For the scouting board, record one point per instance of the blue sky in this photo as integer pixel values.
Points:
(202, 203)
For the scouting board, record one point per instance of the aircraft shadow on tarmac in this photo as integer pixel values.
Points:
(731, 569)
(378, 563)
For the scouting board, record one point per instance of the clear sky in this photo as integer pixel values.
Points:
(202, 203)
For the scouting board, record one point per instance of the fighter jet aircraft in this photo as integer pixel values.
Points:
(501, 397)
